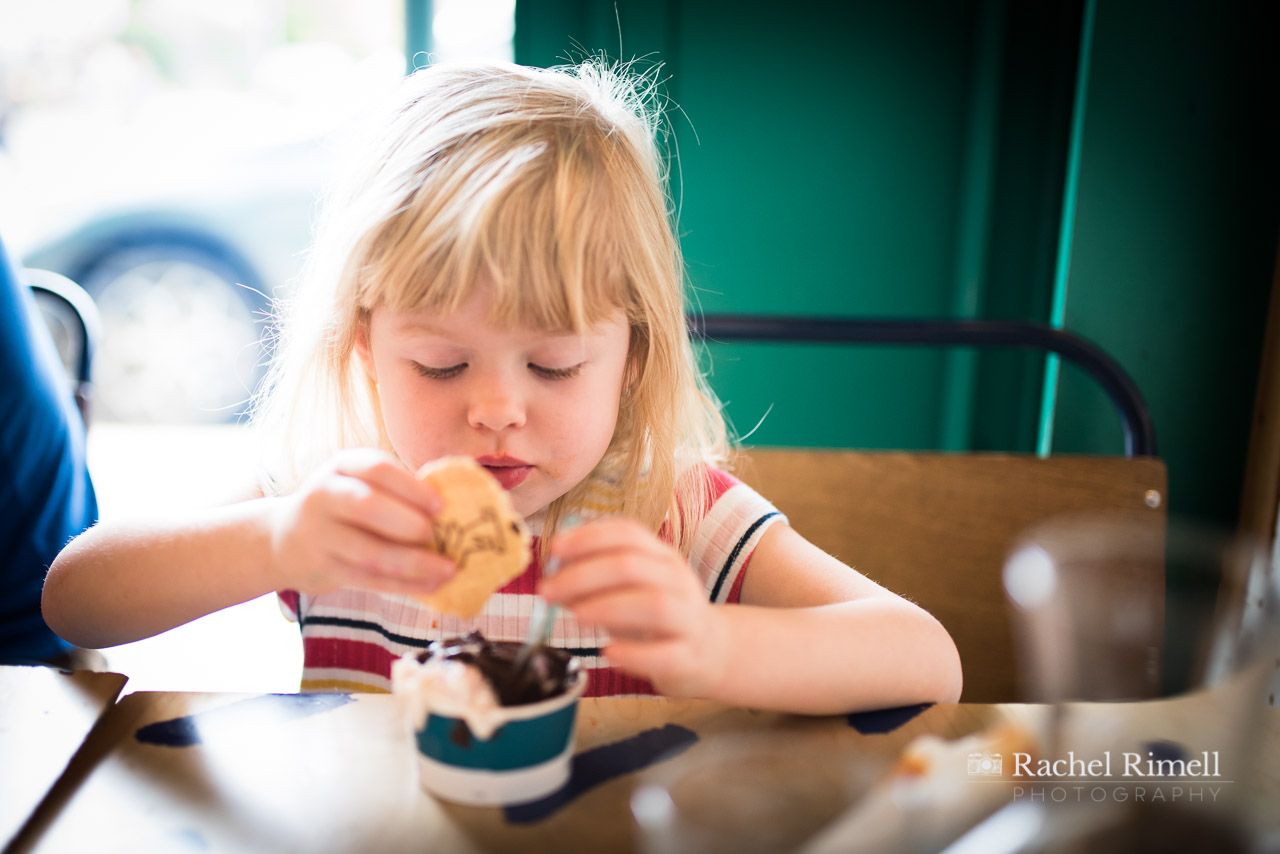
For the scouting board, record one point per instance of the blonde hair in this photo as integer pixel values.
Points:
(549, 184)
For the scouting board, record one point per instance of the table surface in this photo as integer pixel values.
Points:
(45, 715)
(335, 772)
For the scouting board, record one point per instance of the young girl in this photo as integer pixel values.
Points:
(500, 279)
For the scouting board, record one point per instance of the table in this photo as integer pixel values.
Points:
(314, 773)
(45, 714)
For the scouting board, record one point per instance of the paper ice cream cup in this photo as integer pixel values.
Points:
(526, 757)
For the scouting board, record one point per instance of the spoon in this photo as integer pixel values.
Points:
(544, 614)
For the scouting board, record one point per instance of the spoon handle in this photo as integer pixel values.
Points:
(544, 614)
(541, 620)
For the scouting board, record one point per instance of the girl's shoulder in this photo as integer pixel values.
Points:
(710, 480)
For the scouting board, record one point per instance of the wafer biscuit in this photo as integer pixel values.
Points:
(479, 529)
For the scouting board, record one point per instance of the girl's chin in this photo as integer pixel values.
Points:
(532, 507)
(526, 505)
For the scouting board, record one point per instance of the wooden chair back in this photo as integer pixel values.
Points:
(937, 528)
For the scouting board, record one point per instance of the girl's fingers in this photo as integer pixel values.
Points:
(415, 565)
(371, 559)
(600, 572)
(603, 536)
(381, 470)
(362, 504)
(640, 613)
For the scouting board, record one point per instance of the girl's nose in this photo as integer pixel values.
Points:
(496, 406)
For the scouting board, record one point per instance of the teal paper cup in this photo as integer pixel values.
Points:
(526, 758)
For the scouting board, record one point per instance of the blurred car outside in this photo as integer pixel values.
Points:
(185, 222)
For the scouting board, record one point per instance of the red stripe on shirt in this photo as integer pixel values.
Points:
(735, 592)
(527, 581)
(610, 681)
(347, 653)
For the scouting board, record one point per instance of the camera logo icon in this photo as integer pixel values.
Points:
(986, 764)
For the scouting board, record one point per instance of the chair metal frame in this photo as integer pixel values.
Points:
(1139, 432)
(61, 298)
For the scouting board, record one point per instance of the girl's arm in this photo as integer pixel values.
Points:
(123, 581)
(361, 521)
(812, 635)
(833, 636)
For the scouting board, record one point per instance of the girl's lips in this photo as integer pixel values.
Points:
(509, 471)
(509, 476)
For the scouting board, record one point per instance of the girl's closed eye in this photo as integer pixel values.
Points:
(556, 373)
(439, 373)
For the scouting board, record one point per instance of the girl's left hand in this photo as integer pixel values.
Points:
(617, 575)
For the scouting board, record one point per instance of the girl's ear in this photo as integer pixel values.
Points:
(630, 376)
(363, 351)
(636, 352)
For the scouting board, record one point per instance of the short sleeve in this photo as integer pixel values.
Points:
(726, 537)
(289, 604)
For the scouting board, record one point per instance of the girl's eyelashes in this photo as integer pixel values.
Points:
(540, 370)
(439, 373)
(556, 373)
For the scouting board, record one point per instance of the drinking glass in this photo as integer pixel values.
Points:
(1171, 630)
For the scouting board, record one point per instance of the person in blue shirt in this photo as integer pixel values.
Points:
(45, 489)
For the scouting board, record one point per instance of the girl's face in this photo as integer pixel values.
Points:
(535, 408)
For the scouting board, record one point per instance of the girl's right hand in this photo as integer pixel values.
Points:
(361, 521)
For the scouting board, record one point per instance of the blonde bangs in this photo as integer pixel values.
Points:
(535, 212)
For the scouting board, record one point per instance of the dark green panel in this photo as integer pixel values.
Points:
(820, 156)
(1041, 42)
(785, 394)
(1175, 233)
(824, 175)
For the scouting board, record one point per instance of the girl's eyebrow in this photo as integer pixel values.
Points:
(430, 326)
(420, 324)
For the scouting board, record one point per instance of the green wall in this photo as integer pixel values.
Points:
(1175, 232)
(910, 159)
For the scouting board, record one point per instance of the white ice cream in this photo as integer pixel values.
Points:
(446, 687)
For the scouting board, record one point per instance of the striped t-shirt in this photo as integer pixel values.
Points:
(350, 637)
